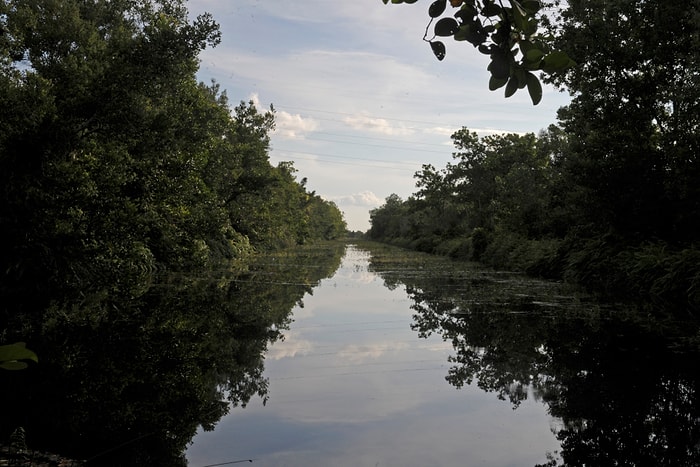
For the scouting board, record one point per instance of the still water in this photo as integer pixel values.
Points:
(352, 384)
(366, 355)
(410, 360)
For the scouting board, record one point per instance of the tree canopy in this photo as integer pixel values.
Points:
(116, 162)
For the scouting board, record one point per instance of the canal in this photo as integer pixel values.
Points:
(404, 359)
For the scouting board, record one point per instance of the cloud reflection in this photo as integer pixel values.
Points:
(362, 353)
(353, 385)
(293, 345)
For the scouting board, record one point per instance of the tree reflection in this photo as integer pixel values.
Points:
(622, 385)
(128, 381)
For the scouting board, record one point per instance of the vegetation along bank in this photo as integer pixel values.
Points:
(608, 197)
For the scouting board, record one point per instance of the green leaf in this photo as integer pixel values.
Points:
(556, 61)
(11, 354)
(531, 6)
(471, 32)
(13, 365)
(496, 83)
(462, 33)
(530, 27)
(437, 8)
(534, 55)
(438, 49)
(534, 88)
(512, 86)
(519, 16)
(467, 12)
(499, 66)
(446, 27)
(526, 45)
(491, 9)
(521, 77)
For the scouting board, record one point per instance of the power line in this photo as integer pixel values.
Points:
(229, 463)
(411, 163)
(349, 163)
(378, 145)
(424, 122)
(381, 139)
(358, 373)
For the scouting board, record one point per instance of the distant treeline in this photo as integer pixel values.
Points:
(541, 204)
(115, 161)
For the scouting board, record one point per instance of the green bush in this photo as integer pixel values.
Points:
(661, 275)
(427, 244)
(479, 241)
(457, 248)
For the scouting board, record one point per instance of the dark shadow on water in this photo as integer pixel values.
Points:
(623, 385)
(129, 380)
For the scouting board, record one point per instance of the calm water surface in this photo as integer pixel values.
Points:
(354, 384)
(389, 358)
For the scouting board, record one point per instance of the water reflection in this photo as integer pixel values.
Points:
(624, 387)
(351, 385)
(355, 375)
(128, 381)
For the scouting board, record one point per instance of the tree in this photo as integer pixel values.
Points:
(632, 126)
(325, 219)
(387, 220)
(434, 209)
(508, 34)
(101, 137)
(115, 161)
(610, 193)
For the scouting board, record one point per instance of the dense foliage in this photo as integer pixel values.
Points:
(115, 162)
(508, 33)
(117, 169)
(608, 197)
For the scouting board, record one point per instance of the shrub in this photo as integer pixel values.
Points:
(479, 241)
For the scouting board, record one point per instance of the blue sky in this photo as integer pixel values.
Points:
(361, 101)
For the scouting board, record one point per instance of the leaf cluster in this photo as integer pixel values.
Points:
(508, 34)
(13, 356)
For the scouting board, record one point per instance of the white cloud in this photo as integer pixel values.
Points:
(444, 131)
(288, 125)
(363, 198)
(293, 126)
(376, 125)
(333, 81)
(362, 353)
(293, 345)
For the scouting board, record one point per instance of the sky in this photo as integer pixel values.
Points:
(361, 101)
